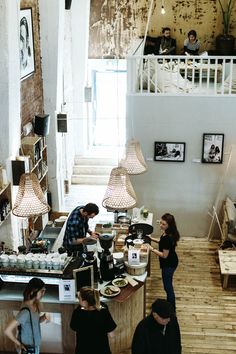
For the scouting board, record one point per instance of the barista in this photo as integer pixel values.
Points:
(77, 227)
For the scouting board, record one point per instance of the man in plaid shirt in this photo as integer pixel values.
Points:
(77, 227)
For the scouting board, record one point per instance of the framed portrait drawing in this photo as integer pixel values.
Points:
(212, 148)
(169, 151)
(83, 277)
(27, 63)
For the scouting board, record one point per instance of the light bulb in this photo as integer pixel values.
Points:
(163, 11)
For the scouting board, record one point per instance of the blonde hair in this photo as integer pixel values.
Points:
(91, 296)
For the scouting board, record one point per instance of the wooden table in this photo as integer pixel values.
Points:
(227, 260)
(205, 70)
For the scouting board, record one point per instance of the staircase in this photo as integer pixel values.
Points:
(92, 170)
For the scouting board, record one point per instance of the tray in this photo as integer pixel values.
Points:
(10, 270)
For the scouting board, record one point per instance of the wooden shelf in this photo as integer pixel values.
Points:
(6, 217)
(5, 196)
(35, 148)
(4, 189)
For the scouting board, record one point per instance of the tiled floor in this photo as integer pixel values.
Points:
(83, 194)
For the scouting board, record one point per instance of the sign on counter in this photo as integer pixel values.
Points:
(133, 257)
(67, 290)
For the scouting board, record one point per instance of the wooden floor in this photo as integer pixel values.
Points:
(206, 312)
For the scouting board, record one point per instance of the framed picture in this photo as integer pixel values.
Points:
(168, 151)
(27, 64)
(212, 148)
(83, 277)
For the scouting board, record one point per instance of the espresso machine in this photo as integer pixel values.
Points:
(106, 258)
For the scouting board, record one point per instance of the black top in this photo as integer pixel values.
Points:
(91, 329)
(167, 243)
(153, 44)
(153, 338)
(165, 43)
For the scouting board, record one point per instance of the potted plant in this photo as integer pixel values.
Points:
(225, 41)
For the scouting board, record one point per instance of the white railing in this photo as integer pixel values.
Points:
(181, 75)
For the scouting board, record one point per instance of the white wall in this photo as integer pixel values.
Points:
(10, 100)
(188, 190)
(52, 45)
(80, 36)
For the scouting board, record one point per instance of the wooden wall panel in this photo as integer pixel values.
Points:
(32, 87)
(113, 24)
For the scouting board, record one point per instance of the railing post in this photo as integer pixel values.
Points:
(193, 75)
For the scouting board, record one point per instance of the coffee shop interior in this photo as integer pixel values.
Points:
(72, 133)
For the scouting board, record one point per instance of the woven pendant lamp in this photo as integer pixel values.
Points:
(134, 161)
(120, 194)
(30, 200)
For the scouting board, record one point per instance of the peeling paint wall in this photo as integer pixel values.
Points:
(114, 23)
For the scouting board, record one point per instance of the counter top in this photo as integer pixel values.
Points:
(14, 291)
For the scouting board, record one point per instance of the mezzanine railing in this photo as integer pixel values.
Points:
(181, 75)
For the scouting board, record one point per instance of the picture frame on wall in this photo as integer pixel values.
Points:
(27, 62)
(212, 148)
(169, 151)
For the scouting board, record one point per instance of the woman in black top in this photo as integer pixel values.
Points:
(92, 323)
(167, 255)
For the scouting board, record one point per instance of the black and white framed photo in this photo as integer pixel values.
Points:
(212, 148)
(27, 64)
(169, 151)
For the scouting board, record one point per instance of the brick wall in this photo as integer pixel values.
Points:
(32, 87)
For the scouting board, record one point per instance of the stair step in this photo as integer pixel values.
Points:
(89, 179)
(92, 170)
(104, 161)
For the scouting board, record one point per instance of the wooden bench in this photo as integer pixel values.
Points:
(227, 261)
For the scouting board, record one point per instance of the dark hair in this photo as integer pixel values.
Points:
(192, 33)
(31, 290)
(163, 308)
(24, 22)
(172, 228)
(91, 208)
(165, 29)
(91, 296)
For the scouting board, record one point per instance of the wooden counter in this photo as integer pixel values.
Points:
(58, 337)
(126, 314)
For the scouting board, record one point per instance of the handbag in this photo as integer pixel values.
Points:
(29, 348)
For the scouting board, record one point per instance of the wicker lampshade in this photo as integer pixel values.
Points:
(120, 194)
(134, 161)
(30, 200)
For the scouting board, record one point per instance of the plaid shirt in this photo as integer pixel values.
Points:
(76, 227)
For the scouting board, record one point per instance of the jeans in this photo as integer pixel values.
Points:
(167, 278)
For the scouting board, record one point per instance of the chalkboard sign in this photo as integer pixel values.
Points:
(83, 277)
